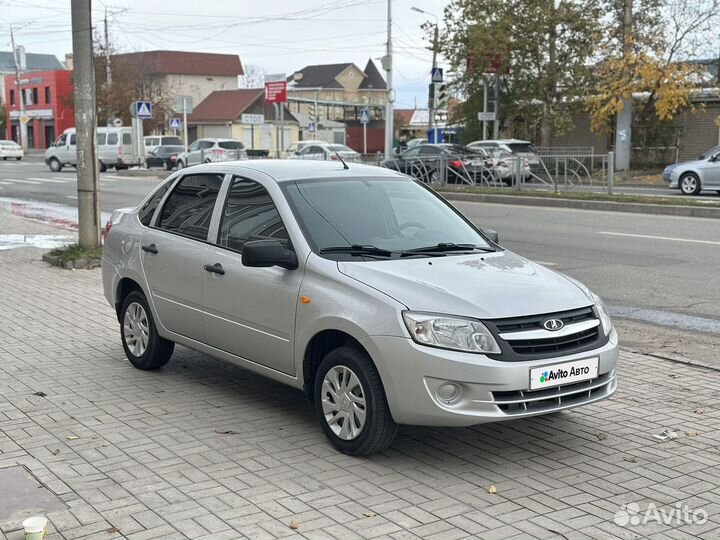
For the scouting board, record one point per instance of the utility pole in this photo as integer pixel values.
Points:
(432, 89)
(623, 122)
(108, 71)
(22, 126)
(387, 65)
(86, 126)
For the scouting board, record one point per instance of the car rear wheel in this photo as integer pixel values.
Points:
(350, 403)
(18, 158)
(103, 167)
(55, 165)
(180, 165)
(168, 166)
(143, 345)
(690, 184)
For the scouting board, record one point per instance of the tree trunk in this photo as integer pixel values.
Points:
(546, 127)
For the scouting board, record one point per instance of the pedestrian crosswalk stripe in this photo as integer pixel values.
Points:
(22, 181)
(51, 180)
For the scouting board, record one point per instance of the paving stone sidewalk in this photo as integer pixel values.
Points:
(203, 449)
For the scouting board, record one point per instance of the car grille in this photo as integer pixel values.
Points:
(550, 345)
(524, 401)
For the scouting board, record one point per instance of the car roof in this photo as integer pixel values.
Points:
(284, 170)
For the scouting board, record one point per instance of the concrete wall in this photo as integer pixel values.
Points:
(698, 131)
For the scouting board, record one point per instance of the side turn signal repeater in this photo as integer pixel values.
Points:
(305, 299)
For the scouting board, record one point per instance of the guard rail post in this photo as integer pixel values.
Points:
(611, 172)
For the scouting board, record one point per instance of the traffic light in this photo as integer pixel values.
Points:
(442, 96)
(431, 96)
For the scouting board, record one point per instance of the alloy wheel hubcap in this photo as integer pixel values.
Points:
(343, 403)
(136, 329)
(689, 183)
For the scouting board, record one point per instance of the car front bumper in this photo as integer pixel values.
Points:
(490, 390)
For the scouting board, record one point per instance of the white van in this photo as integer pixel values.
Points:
(114, 149)
(153, 141)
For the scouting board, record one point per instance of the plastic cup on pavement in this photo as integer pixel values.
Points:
(35, 528)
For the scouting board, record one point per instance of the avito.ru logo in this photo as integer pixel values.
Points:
(632, 515)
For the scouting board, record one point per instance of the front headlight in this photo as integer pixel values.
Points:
(603, 312)
(450, 333)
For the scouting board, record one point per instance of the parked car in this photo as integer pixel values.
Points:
(164, 156)
(358, 285)
(425, 162)
(517, 147)
(114, 147)
(153, 141)
(503, 163)
(211, 150)
(297, 146)
(326, 151)
(691, 177)
(10, 149)
(409, 144)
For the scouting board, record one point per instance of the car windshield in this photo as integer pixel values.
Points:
(393, 214)
(9, 144)
(714, 150)
(339, 148)
(231, 145)
(524, 148)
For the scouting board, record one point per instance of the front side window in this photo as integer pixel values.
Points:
(189, 207)
(249, 214)
(391, 214)
(73, 140)
(61, 140)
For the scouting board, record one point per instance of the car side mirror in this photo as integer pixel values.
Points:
(266, 253)
(492, 235)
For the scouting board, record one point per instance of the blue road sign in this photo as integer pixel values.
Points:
(175, 123)
(364, 116)
(436, 75)
(143, 110)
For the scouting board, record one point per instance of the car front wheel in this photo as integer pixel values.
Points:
(690, 184)
(55, 165)
(180, 165)
(350, 403)
(143, 345)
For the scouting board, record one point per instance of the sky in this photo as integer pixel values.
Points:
(278, 36)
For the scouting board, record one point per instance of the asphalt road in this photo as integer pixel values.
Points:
(654, 271)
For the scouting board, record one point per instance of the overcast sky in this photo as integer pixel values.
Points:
(279, 36)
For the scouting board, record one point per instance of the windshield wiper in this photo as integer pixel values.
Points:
(358, 249)
(445, 247)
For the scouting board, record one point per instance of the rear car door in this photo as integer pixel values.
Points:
(250, 312)
(174, 249)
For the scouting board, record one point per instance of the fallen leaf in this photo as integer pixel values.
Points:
(492, 490)
(40, 394)
(601, 436)
(692, 433)
(72, 437)
(55, 452)
(294, 524)
(369, 514)
(674, 376)
(630, 459)
(699, 411)
(113, 530)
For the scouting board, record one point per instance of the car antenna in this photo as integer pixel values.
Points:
(345, 165)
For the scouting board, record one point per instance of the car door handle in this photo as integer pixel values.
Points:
(215, 268)
(152, 248)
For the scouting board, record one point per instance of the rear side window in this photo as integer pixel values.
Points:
(148, 209)
(112, 138)
(525, 148)
(231, 145)
(127, 140)
(101, 138)
(189, 207)
(249, 214)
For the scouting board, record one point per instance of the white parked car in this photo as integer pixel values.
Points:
(327, 152)
(10, 149)
(504, 163)
(517, 147)
(211, 150)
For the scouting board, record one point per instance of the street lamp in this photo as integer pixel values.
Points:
(431, 92)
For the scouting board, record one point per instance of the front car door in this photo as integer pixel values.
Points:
(711, 172)
(193, 153)
(250, 312)
(174, 250)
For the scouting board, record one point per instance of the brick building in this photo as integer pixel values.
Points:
(48, 99)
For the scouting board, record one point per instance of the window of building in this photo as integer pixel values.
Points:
(35, 99)
(48, 95)
(12, 97)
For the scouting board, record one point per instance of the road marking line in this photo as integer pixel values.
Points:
(3, 183)
(50, 180)
(671, 239)
(71, 196)
(22, 181)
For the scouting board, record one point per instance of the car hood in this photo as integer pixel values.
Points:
(685, 164)
(481, 285)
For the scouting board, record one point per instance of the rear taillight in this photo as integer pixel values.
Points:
(173, 158)
(108, 226)
(456, 163)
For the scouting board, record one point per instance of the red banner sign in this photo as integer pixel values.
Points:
(276, 92)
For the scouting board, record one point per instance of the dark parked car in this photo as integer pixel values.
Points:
(425, 162)
(164, 156)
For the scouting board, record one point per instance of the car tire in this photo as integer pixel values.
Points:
(168, 166)
(690, 184)
(5, 158)
(143, 346)
(103, 167)
(18, 158)
(370, 426)
(55, 165)
(180, 165)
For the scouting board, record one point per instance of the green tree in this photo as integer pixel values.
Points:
(545, 50)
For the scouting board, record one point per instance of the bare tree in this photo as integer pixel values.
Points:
(253, 76)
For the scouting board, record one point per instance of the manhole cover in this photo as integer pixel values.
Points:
(22, 495)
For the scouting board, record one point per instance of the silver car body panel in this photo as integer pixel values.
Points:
(707, 170)
(266, 329)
